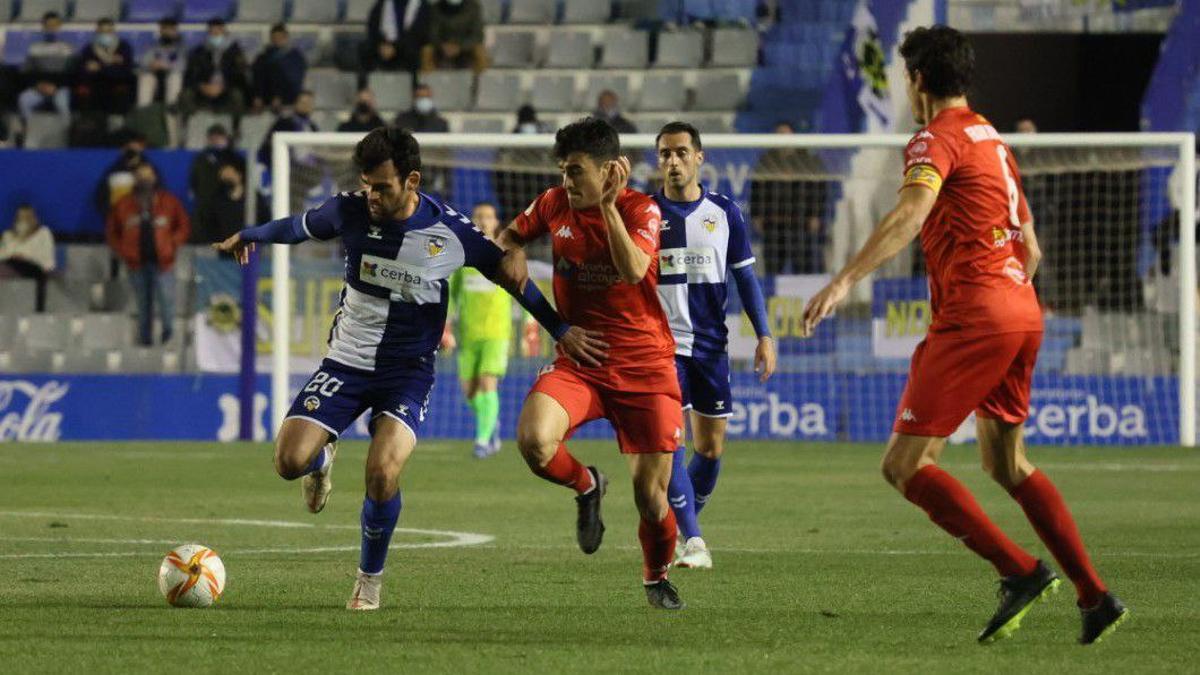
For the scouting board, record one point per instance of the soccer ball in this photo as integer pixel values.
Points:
(191, 576)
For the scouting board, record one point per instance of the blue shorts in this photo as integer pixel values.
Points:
(704, 383)
(336, 394)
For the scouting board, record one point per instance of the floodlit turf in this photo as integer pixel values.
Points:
(819, 567)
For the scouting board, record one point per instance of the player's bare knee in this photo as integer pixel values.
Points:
(381, 480)
(288, 464)
(1009, 474)
(535, 445)
(651, 500)
(897, 468)
(711, 450)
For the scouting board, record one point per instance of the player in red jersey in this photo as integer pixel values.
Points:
(605, 242)
(963, 194)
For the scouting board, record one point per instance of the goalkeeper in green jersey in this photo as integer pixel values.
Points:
(482, 315)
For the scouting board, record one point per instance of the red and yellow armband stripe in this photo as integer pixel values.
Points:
(925, 175)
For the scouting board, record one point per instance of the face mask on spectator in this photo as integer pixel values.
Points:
(107, 40)
(527, 128)
(423, 105)
(216, 41)
(363, 109)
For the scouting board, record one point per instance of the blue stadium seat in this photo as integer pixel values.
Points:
(16, 45)
(199, 11)
(150, 11)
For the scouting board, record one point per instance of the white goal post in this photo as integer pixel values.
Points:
(1103, 201)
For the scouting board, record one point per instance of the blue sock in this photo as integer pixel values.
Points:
(703, 472)
(679, 494)
(318, 462)
(378, 521)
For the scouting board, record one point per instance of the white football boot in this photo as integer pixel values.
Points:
(695, 555)
(317, 486)
(366, 592)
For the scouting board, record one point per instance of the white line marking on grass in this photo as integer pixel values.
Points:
(873, 552)
(453, 538)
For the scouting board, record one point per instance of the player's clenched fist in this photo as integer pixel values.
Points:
(240, 250)
(822, 305)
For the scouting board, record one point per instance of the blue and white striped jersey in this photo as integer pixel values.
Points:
(700, 240)
(393, 306)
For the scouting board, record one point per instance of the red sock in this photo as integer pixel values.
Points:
(658, 546)
(952, 507)
(1048, 513)
(566, 470)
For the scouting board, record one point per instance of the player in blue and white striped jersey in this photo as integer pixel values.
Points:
(401, 248)
(703, 235)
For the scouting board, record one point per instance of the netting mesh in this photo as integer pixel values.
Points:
(1105, 217)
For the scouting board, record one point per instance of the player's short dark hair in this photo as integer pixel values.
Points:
(592, 136)
(944, 58)
(678, 127)
(388, 143)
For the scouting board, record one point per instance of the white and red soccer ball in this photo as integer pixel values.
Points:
(191, 576)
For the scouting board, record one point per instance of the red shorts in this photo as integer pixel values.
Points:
(642, 402)
(952, 375)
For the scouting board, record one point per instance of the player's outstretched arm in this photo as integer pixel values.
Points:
(755, 307)
(283, 231)
(897, 230)
(631, 262)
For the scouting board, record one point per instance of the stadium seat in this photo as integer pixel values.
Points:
(195, 129)
(332, 89)
(150, 11)
(253, 130)
(18, 297)
(498, 92)
(680, 49)
(451, 88)
(531, 11)
(347, 50)
(1081, 361)
(25, 362)
(142, 359)
(86, 262)
(493, 12)
(68, 297)
(599, 81)
(586, 11)
(32, 10)
(662, 92)
(250, 40)
(264, 11)
(93, 10)
(625, 49)
(88, 362)
(6, 10)
(200, 11)
(553, 93)
(494, 124)
(358, 10)
(393, 91)
(570, 49)
(650, 123)
(636, 10)
(102, 331)
(314, 11)
(512, 49)
(717, 91)
(308, 40)
(41, 332)
(8, 335)
(734, 47)
(47, 130)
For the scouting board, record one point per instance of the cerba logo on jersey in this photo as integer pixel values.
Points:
(389, 273)
(699, 260)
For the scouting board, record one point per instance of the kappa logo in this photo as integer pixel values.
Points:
(435, 246)
(907, 415)
(402, 410)
(710, 224)
(720, 405)
(369, 269)
(666, 225)
(565, 232)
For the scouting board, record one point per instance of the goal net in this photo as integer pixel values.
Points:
(1117, 363)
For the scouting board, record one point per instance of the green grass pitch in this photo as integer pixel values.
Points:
(819, 567)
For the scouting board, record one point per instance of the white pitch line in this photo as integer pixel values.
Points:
(878, 552)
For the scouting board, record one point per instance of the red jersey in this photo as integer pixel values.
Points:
(588, 291)
(974, 250)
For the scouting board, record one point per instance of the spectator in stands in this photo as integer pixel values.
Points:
(383, 56)
(162, 66)
(423, 116)
(455, 36)
(119, 178)
(216, 76)
(229, 204)
(27, 250)
(608, 108)
(104, 77)
(278, 72)
(298, 119)
(145, 229)
(49, 55)
(528, 122)
(205, 183)
(45, 96)
(404, 24)
(788, 197)
(364, 116)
